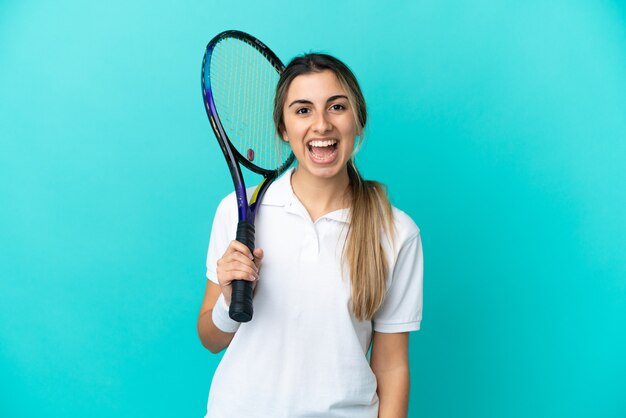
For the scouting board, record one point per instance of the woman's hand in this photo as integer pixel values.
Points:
(238, 263)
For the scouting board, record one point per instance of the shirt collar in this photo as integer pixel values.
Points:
(280, 193)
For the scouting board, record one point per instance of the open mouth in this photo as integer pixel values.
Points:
(322, 150)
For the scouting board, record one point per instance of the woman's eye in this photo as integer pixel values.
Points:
(337, 107)
(302, 111)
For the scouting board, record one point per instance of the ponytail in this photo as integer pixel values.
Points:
(370, 217)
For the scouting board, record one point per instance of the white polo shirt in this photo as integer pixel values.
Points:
(304, 354)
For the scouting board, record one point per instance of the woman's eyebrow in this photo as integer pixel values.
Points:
(338, 96)
(300, 101)
(308, 102)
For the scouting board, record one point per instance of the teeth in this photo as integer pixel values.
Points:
(326, 143)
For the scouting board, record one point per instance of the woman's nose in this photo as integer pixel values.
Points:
(322, 124)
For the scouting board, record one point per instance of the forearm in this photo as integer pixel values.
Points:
(215, 328)
(393, 392)
(214, 339)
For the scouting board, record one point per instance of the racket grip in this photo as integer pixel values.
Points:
(241, 299)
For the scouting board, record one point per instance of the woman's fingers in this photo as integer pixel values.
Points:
(239, 258)
(238, 263)
(238, 247)
(228, 271)
(258, 258)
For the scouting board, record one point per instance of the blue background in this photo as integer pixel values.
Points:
(499, 126)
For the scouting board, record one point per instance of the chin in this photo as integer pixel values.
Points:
(329, 172)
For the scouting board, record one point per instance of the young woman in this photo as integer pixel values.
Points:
(337, 270)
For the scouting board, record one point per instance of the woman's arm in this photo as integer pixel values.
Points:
(390, 364)
(237, 263)
(211, 337)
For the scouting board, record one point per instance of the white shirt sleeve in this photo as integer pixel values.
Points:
(223, 231)
(402, 308)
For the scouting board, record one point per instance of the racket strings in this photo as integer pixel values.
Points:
(243, 84)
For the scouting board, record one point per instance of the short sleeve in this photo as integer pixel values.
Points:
(402, 308)
(223, 232)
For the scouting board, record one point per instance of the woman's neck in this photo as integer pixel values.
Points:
(321, 195)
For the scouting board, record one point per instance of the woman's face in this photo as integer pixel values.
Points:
(319, 124)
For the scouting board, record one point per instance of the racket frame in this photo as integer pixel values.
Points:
(246, 208)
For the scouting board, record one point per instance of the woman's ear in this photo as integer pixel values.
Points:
(284, 136)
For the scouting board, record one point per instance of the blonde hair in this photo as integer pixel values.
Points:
(371, 214)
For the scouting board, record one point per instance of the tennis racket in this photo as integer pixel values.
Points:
(239, 78)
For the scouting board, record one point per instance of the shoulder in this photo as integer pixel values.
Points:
(226, 217)
(405, 229)
(226, 208)
(404, 240)
(228, 201)
(228, 204)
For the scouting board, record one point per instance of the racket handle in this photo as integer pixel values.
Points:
(241, 299)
